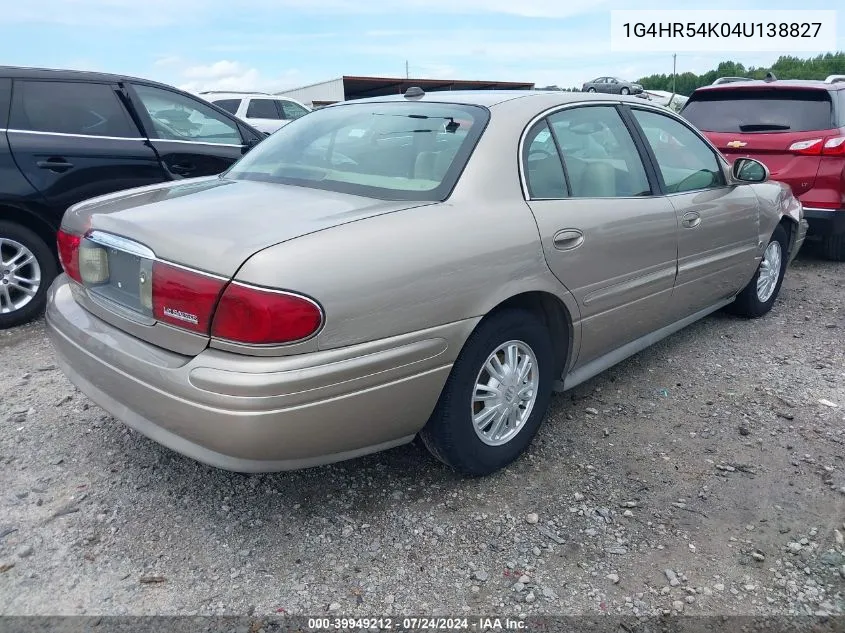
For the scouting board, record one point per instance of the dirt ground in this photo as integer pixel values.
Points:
(704, 475)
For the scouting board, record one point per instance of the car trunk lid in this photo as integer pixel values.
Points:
(207, 227)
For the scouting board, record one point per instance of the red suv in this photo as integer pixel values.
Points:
(797, 129)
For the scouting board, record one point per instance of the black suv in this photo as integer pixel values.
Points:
(66, 136)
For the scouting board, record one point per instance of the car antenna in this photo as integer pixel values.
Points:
(770, 76)
(414, 92)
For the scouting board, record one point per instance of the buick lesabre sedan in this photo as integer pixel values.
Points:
(432, 264)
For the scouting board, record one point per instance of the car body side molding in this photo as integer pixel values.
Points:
(595, 367)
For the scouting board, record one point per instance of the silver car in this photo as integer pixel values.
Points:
(612, 85)
(432, 264)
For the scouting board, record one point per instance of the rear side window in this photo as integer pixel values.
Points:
(599, 155)
(229, 105)
(69, 108)
(750, 111)
(262, 109)
(543, 168)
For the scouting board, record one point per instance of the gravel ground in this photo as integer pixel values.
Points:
(704, 475)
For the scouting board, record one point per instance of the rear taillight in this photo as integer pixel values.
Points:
(68, 247)
(810, 147)
(830, 146)
(834, 146)
(257, 316)
(183, 297)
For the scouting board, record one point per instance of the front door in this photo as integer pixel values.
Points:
(718, 223)
(74, 140)
(606, 235)
(191, 138)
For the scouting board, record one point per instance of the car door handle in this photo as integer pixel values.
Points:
(183, 169)
(691, 220)
(55, 164)
(567, 239)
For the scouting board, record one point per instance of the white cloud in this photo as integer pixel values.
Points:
(232, 75)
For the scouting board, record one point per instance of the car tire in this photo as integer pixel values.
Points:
(16, 305)
(833, 247)
(757, 298)
(625, 91)
(451, 434)
(591, 89)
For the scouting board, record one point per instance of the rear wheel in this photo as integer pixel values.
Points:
(27, 268)
(833, 247)
(757, 298)
(496, 395)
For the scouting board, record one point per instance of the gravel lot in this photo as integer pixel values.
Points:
(704, 475)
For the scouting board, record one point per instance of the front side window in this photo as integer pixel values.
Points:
(178, 117)
(599, 155)
(685, 161)
(292, 110)
(262, 109)
(67, 107)
(392, 151)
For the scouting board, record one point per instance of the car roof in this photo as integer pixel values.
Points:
(220, 94)
(777, 84)
(490, 98)
(57, 74)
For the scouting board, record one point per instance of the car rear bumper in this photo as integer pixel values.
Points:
(824, 222)
(257, 414)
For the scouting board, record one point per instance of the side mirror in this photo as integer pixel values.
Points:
(749, 170)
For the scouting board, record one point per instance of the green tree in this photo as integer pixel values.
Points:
(786, 67)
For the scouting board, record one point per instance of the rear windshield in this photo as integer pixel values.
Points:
(768, 111)
(390, 151)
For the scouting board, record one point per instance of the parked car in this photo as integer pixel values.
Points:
(312, 305)
(263, 111)
(66, 136)
(731, 80)
(612, 85)
(797, 128)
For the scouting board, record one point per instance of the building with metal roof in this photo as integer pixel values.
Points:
(351, 87)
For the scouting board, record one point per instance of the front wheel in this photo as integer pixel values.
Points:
(625, 91)
(757, 298)
(591, 89)
(496, 395)
(27, 267)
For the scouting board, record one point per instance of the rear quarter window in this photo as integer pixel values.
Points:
(229, 105)
(756, 110)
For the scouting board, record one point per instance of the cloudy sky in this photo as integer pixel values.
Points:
(270, 45)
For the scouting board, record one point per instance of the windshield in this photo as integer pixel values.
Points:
(390, 151)
(755, 110)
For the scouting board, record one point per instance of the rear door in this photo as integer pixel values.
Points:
(264, 114)
(718, 225)
(777, 126)
(192, 138)
(75, 140)
(607, 234)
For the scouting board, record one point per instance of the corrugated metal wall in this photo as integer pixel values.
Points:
(324, 91)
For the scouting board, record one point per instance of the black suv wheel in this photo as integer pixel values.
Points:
(27, 268)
